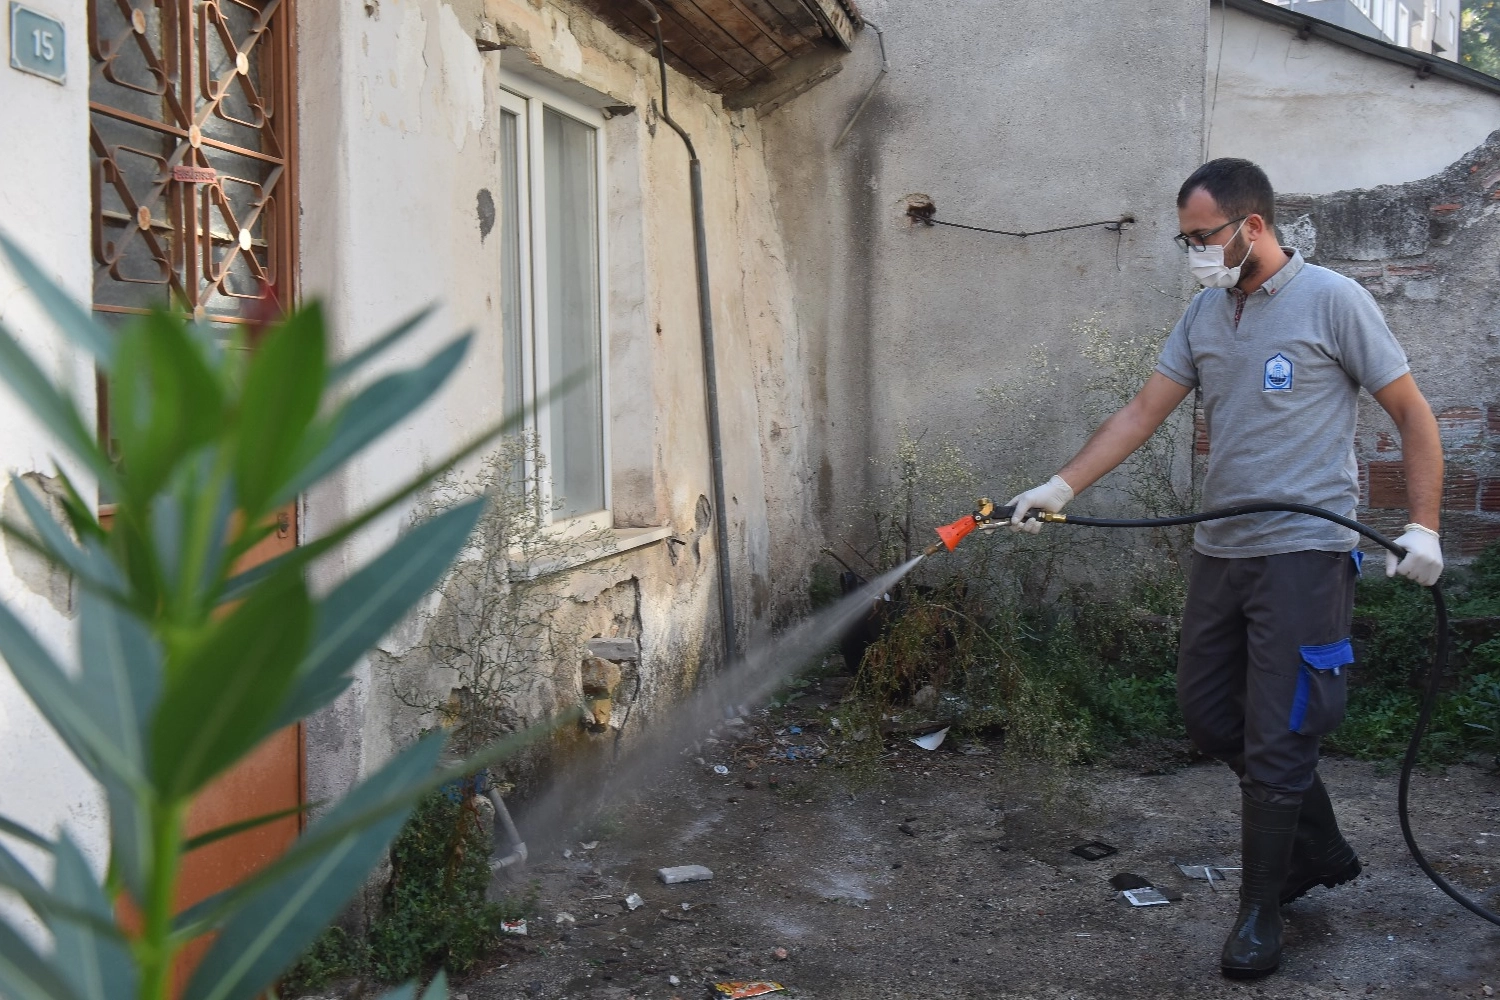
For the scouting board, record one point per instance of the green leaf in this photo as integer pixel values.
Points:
(164, 402)
(277, 923)
(374, 411)
(51, 407)
(55, 697)
(371, 602)
(208, 914)
(90, 564)
(219, 833)
(120, 678)
(81, 513)
(243, 583)
(97, 966)
(381, 344)
(17, 877)
(220, 698)
(60, 307)
(119, 685)
(24, 975)
(129, 835)
(279, 400)
(24, 833)
(46, 904)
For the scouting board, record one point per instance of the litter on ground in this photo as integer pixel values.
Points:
(932, 740)
(684, 873)
(737, 991)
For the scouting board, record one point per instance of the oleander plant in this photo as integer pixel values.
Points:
(186, 660)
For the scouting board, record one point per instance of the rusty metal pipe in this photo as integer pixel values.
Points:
(710, 367)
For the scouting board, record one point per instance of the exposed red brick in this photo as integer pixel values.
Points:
(1406, 270)
(1493, 414)
(1200, 434)
(1385, 444)
(1472, 537)
(1461, 420)
(1460, 489)
(1387, 487)
(1452, 206)
(1489, 495)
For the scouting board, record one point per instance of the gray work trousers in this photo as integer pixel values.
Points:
(1262, 671)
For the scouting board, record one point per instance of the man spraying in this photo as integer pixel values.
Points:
(1279, 349)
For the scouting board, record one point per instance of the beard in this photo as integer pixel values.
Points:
(1249, 266)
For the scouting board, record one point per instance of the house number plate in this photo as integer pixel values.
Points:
(37, 44)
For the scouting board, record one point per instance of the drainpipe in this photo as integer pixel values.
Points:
(710, 373)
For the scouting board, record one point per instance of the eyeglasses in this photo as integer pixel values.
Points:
(1198, 241)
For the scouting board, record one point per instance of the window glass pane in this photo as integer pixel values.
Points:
(572, 279)
(512, 394)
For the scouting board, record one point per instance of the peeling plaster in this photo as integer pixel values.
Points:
(463, 78)
(37, 574)
(395, 72)
(569, 54)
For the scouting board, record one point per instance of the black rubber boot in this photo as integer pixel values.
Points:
(1268, 829)
(1321, 855)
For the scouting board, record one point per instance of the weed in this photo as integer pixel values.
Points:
(434, 912)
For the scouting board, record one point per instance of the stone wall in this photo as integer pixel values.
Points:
(1429, 251)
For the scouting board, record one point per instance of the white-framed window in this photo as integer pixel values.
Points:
(552, 292)
(1403, 25)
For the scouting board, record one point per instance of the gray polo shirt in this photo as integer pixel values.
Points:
(1280, 372)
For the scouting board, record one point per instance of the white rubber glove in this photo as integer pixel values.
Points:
(1424, 556)
(1053, 495)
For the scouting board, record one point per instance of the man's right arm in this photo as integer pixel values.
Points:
(1125, 431)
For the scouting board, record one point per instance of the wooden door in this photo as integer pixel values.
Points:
(271, 779)
(192, 152)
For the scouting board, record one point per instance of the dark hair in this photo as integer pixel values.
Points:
(1238, 187)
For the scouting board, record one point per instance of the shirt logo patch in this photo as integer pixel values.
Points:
(1278, 375)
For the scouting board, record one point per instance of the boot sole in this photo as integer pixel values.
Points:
(1348, 873)
(1239, 972)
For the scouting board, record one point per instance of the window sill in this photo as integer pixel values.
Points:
(610, 542)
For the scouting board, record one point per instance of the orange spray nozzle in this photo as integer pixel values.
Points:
(952, 534)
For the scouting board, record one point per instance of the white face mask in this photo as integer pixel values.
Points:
(1208, 267)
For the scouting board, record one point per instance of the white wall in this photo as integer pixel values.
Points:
(1321, 117)
(1024, 122)
(44, 205)
(399, 132)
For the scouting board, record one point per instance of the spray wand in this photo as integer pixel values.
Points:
(987, 516)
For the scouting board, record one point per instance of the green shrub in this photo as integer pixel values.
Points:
(434, 911)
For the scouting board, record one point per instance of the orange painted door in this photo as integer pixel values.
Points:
(270, 780)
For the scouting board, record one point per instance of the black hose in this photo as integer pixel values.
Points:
(1434, 680)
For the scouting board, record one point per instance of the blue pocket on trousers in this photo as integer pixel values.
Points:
(1318, 706)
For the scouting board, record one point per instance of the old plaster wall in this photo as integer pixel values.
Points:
(1429, 252)
(44, 206)
(1321, 117)
(399, 135)
(985, 112)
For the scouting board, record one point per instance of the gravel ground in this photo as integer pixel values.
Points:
(949, 873)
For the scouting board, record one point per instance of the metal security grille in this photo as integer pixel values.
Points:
(192, 148)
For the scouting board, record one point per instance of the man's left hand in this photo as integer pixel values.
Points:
(1424, 556)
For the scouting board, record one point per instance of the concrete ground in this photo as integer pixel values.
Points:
(948, 873)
